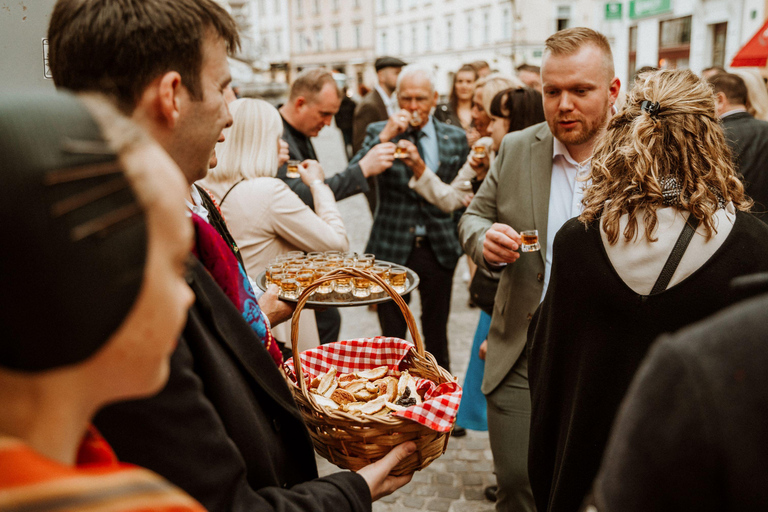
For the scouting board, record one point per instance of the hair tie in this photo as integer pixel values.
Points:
(651, 107)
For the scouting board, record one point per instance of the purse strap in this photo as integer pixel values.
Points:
(676, 255)
(221, 203)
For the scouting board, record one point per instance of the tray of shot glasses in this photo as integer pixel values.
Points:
(294, 271)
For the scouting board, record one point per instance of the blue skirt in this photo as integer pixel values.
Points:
(472, 410)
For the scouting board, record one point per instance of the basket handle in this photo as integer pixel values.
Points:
(348, 272)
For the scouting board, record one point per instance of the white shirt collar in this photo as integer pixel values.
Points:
(197, 207)
(389, 100)
(734, 111)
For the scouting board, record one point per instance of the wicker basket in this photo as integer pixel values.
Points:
(354, 441)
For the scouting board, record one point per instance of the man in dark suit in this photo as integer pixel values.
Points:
(407, 229)
(225, 428)
(314, 100)
(746, 136)
(376, 106)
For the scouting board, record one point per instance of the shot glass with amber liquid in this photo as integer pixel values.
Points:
(400, 152)
(305, 278)
(326, 287)
(362, 285)
(289, 288)
(292, 169)
(530, 241)
(479, 151)
(397, 278)
(382, 271)
(415, 118)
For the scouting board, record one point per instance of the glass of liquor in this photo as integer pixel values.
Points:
(381, 270)
(343, 284)
(289, 288)
(368, 259)
(326, 287)
(362, 285)
(530, 241)
(479, 151)
(397, 278)
(292, 171)
(400, 152)
(305, 278)
(277, 278)
(415, 118)
(272, 268)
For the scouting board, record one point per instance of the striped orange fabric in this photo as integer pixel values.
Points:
(30, 482)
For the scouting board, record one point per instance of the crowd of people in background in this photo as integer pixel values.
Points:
(154, 348)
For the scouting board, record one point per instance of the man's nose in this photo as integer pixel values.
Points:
(566, 102)
(230, 119)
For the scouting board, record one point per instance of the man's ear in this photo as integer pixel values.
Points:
(160, 101)
(435, 99)
(299, 102)
(614, 88)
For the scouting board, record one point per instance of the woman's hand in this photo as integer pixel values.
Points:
(479, 165)
(310, 171)
(483, 350)
(282, 153)
(377, 474)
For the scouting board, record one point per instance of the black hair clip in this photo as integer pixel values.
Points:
(652, 107)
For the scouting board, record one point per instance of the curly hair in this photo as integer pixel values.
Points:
(683, 140)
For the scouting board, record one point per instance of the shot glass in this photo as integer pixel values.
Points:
(400, 152)
(272, 268)
(292, 171)
(326, 287)
(368, 258)
(362, 285)
(479, 151)
(397, 278)
(289, 288)
(415, 118)
(381, 271)
(305, 278)
(530, 241)
(343, 284)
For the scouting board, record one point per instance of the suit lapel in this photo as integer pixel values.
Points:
(379, 101)
(443, 144)
(541, 181)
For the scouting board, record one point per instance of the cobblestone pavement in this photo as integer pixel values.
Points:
(455, 482)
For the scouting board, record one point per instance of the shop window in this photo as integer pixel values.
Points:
(675, 43)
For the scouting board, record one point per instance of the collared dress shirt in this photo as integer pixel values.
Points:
(389, 100)
(565, 195)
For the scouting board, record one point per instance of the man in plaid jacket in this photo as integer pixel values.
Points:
(408, 230)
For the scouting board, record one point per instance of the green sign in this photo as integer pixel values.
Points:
(643, 8)
(613, 11)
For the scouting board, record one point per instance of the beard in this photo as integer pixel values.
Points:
(584, 131)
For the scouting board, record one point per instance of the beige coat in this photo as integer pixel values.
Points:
(267, 219)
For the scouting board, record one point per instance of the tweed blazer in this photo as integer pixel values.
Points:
(400, 209)
(515, 192)
(371, 109)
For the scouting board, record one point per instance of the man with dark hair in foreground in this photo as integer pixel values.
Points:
(225, 428)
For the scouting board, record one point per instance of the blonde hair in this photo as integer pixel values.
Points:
(571, 40)
(757, 95)
(494, 84)
(249, 149)
(683, 140)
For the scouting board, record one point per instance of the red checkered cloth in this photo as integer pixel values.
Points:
(441, 403)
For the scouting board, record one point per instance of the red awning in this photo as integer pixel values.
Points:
(755, 52)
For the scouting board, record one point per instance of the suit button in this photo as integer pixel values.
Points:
(530, 317)
(540, 277)
(275, 425)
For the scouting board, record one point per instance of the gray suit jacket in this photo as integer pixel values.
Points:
(516, 193)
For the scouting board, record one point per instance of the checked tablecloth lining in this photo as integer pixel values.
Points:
(441, 402)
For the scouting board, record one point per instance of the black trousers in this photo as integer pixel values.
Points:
(435, 291)
(328, 325)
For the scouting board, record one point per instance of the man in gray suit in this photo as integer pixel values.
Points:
(533, 185)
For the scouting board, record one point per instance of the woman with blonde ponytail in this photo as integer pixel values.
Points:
(664, 229)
